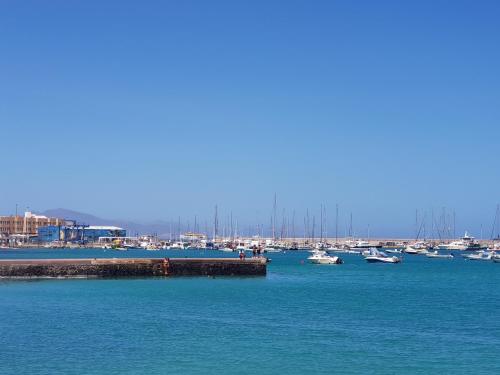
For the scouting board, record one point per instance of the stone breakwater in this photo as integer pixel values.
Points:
(138, 267)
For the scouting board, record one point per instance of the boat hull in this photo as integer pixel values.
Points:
(382, 259)
(325, 260)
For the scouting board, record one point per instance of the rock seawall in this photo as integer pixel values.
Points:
(74, 268)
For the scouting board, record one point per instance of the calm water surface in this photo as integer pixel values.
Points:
(424, 316)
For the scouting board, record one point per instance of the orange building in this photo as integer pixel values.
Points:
(27, 224)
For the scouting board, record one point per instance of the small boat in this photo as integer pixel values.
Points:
(323, 258)
(394, 251)
(177, 246)
(435, 254)
(304, 248)
(411, 250)
(333, 249)
(360, 244)
(353, 251)
(376, 256)
(272, 249)
(119, 248)
(480, 255)
(131, 247)
(418, 248)
(496, 258)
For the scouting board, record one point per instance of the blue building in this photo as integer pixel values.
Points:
(49, 233)
(93, 233)
(78, 233)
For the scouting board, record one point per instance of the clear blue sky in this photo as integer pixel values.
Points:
(153, 109)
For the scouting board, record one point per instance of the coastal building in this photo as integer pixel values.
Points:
(93, 233)
(27, 224)
(78, 233)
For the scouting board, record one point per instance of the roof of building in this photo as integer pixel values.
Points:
(103, 227)
(29, 214)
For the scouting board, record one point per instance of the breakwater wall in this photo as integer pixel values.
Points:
(137, 267)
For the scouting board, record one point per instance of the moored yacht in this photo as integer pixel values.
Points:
(321, 257)
(465, 243)
(376, 256)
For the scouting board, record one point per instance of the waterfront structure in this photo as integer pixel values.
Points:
(130, 267)
(26, 225)
(78, 233)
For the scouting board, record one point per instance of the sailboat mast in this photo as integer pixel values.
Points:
(416, 224)
(273, 219)
(336, 223)
(454, 225)
(216, 220)
(350, 228)
(321, 225)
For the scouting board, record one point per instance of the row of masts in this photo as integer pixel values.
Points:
(442, 226)
(286, 229)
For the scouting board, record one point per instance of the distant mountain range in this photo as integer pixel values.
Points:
(161, 228)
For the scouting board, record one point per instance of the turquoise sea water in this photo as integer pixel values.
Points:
(423, 316)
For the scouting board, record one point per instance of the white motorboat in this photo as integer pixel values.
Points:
(435, 254)
(323, 258)
(480, 255)
(177, 246)
(411, 250)
(366, 253)
(272, 249)
(417, 248)
(350, 251)
(382, 259)
(376, 256)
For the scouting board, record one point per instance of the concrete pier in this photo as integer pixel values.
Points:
(131, 267)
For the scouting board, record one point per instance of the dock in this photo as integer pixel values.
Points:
(131, 267)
